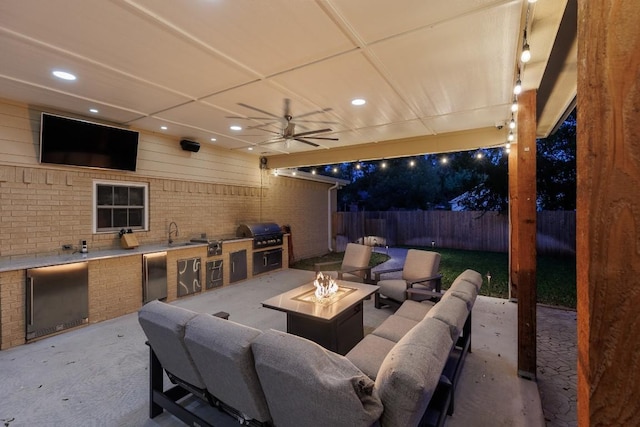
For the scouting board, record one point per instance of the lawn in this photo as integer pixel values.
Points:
(556, 276)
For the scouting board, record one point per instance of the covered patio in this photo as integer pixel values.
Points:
(99, 373)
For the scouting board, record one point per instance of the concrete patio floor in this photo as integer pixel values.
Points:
(98, 374)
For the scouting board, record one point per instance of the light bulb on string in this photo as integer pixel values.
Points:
(512, 123)
(526, 53)
(514, 106)
(518, 87)
(510, 137)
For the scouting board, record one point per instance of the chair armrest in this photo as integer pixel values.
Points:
(437, 278)
(319, 265)
(352, 270)
(424, 292)
(381, 272)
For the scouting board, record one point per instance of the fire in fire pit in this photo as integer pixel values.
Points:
(326, 287)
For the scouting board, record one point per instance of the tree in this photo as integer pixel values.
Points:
(556, 174)
(479, 179)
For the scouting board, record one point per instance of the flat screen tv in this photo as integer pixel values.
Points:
(67, 141)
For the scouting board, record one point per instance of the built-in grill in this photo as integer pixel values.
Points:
(265, 235)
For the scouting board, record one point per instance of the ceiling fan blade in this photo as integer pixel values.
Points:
(306, 142)
(248, 118)
(258, 110)
(312, 132)
(319, 137)
(316, 121)
(324, 110)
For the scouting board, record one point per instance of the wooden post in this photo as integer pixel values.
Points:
(513, 224)
(608, 213)
(523, 263)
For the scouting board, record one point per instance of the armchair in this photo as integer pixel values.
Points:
(355, 264)
(420, 280)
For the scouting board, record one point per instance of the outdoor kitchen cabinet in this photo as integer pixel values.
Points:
(57, 298)
(238, 266)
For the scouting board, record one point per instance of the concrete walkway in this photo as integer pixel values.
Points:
(556, 354)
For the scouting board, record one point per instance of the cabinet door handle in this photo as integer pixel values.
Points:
(30, 301)
(233, 267)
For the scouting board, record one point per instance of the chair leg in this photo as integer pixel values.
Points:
(376, 300)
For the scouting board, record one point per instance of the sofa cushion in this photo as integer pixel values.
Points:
(394, 328)
(164, 326)
(306, 385)
(453, 311)
(222, 351)
(464, 290)
(410, 373)
(472, 277)
(414, 310)
(369, 353)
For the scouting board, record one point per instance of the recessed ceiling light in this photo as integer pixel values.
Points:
(358, 101)
(235, 127)
(64, 75)
(213, 139)
(164, 127)
(93, 110)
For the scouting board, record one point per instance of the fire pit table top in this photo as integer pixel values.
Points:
(302, 300)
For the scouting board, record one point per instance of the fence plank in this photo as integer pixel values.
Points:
(469, 230)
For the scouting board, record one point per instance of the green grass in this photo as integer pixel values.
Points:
(556, 276)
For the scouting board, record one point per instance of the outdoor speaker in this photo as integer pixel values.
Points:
(190, 145)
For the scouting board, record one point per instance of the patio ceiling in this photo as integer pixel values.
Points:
(437, 75)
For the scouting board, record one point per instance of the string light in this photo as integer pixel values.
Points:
(444, 160)
(335, 170)
(525, 56)
(510, 137)
(358, 165)
(412, 163)
(383, 165)
(517, 89)
(514, 105)
(512, 123)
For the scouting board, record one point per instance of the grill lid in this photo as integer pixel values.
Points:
(258, 229)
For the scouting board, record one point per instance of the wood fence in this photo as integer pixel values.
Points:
(483, 231)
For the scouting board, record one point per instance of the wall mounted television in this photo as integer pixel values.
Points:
(67, 141)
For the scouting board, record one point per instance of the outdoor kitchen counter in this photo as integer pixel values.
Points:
(43, 261)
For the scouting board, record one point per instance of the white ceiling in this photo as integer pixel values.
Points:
(425, 67)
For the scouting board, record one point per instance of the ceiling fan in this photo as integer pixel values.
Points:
(288, 133)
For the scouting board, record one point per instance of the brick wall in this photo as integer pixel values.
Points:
(12, 288)
(115, 287)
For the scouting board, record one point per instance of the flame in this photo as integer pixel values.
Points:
(325, 286)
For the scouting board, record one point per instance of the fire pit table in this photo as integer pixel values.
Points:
(335, 322)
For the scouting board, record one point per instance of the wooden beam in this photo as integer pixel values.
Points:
(608, 213)
(442, 143)
(525, 230)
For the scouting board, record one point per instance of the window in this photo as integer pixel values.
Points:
(120, 205)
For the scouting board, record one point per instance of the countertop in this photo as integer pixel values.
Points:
(47, 260)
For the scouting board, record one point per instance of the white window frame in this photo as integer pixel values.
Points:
(145, 213)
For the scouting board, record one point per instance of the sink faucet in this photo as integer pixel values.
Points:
(173, 231)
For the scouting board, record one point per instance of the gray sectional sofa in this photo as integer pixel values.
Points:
(402, 374)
